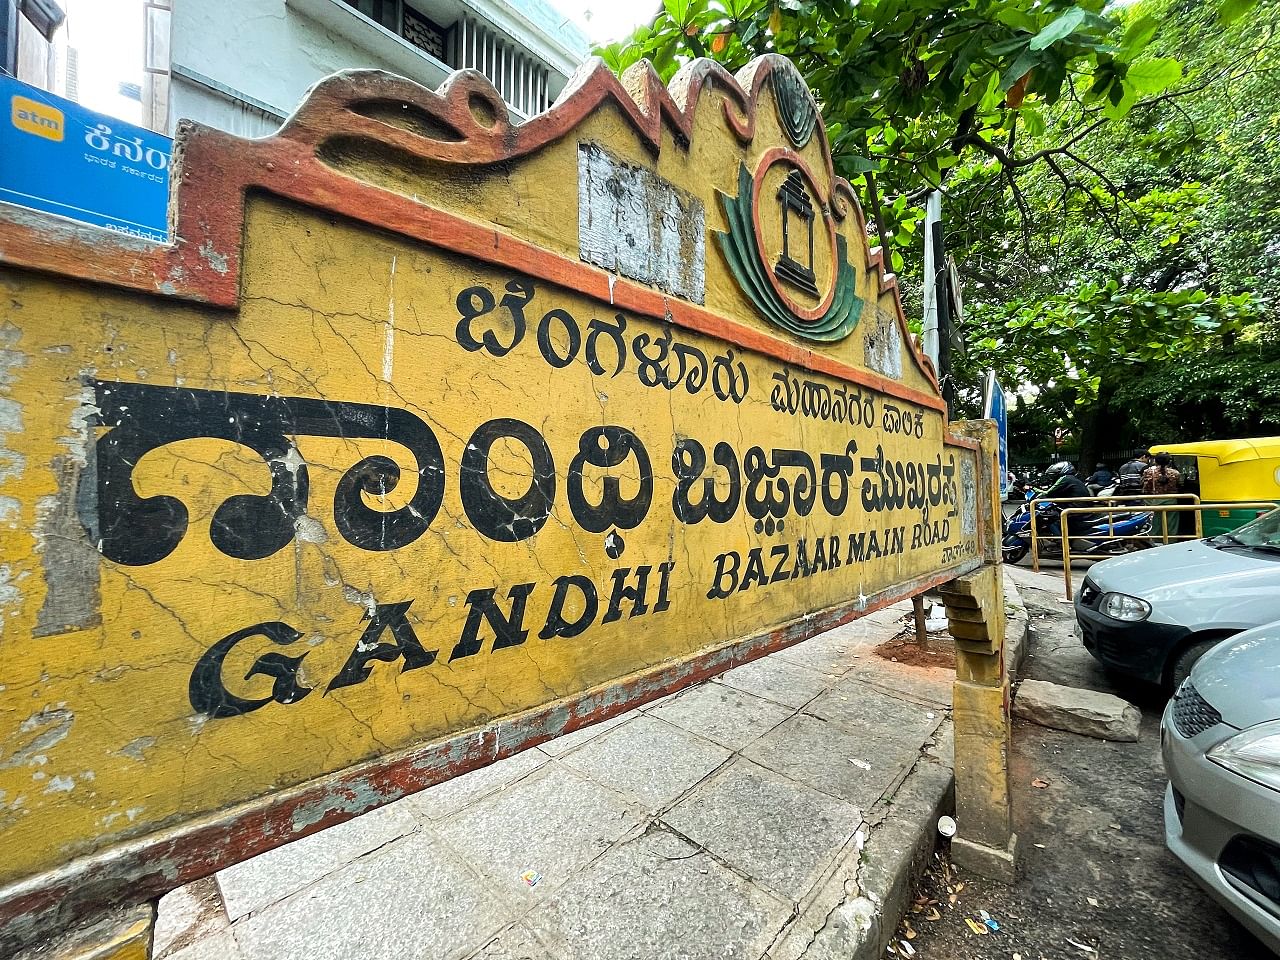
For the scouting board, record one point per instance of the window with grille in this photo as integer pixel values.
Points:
(424, 34)
(521, 79)
(383, 12)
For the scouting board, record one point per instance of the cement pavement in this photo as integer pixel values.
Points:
(1095, 878)
(772, 812)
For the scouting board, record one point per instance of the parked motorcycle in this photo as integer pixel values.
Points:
(1100, 538)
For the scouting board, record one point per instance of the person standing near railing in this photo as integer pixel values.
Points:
(1161, 479)
(1129, 475)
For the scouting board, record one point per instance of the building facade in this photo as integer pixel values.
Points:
(29, 48)
(243, 65)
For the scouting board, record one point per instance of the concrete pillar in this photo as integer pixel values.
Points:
(985, 842)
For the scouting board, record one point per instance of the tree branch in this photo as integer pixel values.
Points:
(1112, 224)
(873, 197)
(1173, 272)
(1010, 162)
(1022, 208)
(1117, 194)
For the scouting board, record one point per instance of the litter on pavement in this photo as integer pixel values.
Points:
(976, 927)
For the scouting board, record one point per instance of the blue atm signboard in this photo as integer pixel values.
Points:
(58, 157)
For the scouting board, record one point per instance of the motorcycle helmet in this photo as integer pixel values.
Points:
(1063, 468)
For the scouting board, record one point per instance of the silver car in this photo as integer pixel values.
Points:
(1152, 614)
(1220, 738)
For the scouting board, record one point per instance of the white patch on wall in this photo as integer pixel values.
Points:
(883, 344)
(634, 223)
(968, 498)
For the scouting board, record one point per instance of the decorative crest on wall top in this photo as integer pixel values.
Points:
(781, 245)
(778, 284)
(796, 109)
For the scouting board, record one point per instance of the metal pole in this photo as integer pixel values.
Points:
(1035, 543)
(932, 215)
(9, 37)
(942, 297)
(1066, 555)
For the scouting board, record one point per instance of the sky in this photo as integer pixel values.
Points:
(108, 37)
(604, 21)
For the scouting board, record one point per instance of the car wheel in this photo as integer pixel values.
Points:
(1186, 659)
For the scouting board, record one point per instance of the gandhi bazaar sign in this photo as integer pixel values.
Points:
(406, 454)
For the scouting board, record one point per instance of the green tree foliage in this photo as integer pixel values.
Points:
(911, 88)
(1111, 175)
(1221, 393)
(1147, 253)
(1035, 436)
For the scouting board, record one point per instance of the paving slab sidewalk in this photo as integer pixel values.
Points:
(774, 811)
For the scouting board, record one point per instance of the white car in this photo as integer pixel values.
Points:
(1220, 739)
(1152, 614)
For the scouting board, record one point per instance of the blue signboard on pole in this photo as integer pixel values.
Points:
(58, 157)
(993, 408)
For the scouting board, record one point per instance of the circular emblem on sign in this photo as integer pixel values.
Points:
(795, 238)
(783, 248)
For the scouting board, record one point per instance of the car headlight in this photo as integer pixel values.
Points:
(1121, 606)
(1252, 753)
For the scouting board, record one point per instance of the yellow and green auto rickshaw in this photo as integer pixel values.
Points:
(1222, 471)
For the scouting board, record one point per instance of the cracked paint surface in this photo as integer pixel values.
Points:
(126, 682)
(103, 734)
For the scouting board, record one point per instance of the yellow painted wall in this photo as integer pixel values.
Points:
(100, 739)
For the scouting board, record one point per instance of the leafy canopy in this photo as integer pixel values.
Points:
(1146, 252)
(910, 89)
(1110, 172)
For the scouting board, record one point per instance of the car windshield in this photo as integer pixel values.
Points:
(1263, 532)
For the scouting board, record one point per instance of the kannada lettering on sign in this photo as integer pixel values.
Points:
(817, 511)
(379, 456)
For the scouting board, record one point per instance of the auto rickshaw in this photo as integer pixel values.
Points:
(1221, 471)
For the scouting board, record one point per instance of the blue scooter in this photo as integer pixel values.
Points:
(1100, 537)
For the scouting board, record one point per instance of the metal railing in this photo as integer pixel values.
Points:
(1164, 509)
(1100, 505)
